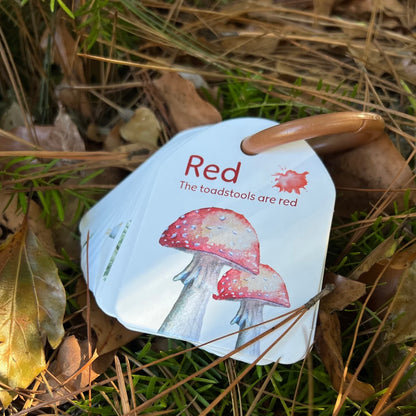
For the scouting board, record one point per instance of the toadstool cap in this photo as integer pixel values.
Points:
(267, 286)
(218, 231)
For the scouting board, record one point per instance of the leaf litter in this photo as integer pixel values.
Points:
(257, 39)
(33, 305)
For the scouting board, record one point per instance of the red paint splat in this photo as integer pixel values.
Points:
(290, 181)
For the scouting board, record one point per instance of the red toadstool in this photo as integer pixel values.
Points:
(216, 237)
(254, 292)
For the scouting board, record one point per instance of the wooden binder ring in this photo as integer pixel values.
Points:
(326, 133)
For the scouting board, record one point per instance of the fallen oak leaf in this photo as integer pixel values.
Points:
(32, 300)
(186, 107)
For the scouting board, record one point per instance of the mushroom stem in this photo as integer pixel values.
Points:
(250, 313)
(200, 281)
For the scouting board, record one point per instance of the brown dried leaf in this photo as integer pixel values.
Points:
(70, 370)
(328, 341)
(402, 322)
(65, 134)
(345, 292)
(387, 279)
(113, 139)
(377, 165)
(62, 136)
(111, 335)
(383, 251)
(186, 107)
(387, 276)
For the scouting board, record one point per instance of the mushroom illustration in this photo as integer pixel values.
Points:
(253, 292)
(216, 237)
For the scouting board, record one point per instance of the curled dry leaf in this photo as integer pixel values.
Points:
(187, 109)
(32, 301)
(73, 369)
(385, 274)
(383, 251)
(386, 277)
(378, 166)
(111, 335)
(62, 136)
(345, 292)
(143, 128)
(328, 342)
(402, 323)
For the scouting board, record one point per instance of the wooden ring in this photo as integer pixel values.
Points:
(326, 133)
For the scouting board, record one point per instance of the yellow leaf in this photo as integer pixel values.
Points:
(32, 306)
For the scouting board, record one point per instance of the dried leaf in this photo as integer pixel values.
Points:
(69, 371)
(11, 219)
(113, 139)
(111, 335)
(387, 276)
(328, 341)
(186, 107)
(387, 279)
(383, 251)
(402, 320)
(376, 165)
(142, 128)
(345, 292)
(33, 306)
(62, 136)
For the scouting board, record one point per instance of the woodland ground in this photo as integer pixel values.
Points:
(72, 76)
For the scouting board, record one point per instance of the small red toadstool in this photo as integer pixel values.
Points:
(216, 237)
(254, 292)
